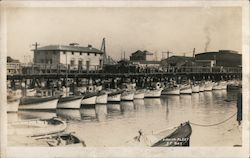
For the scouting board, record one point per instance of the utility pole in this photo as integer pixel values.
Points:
(166, 53)
(35, 44)
(103, 49)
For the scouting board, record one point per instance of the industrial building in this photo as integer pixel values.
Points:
(13, 66)
(74, 56)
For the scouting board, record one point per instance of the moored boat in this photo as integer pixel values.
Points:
(171, 91)
(195, 88)
(101, 98)
(69, 102)
(89, 99)
(223, 84)
(154, 93)
(139, 94)
(114, 96)
(217, 86)
(36, 127)
(185, 89)
(127, 96)
(208, 86)
(38, 103)
(12, 104)
(64, 140)
(202, 87)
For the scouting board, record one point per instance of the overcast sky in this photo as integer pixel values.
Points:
(178, 30)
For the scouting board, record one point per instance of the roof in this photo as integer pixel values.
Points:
(178, 58)
(143, 52)
(88, 49)
(11, 60)
(147, 62)
(220, 52)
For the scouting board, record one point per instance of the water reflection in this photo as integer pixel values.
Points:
(152, 103)
(36, 114)
(88, 113)
(69, 114)
(101, 112)
(139, 104)
(12, 117)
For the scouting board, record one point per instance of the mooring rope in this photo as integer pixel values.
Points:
(209, 125)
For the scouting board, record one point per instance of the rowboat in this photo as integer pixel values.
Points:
(139, 94)
(69, 102)
(62, 140)
(217, 86)
(102, 98)
(185, 89)
(171, 91)
(208, 86)
(154, 93)
(195, 88)
(38, 103)
(127, 96)
(114, 96)
(36, 127)
(89, 99)
(12, 104)
(168, 137)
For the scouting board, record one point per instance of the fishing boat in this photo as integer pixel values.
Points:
(153, 93)
(208, 86)
(38, 103)
(36, 127)
(12, 104)
(186, 89)
(139, 94)
(101, 98)
(217, 86)
(202, 87)
(127, 96)
(31, 92)
(114, 96)
(65, 140)
(69, 102)
(195, 88)
(223, 84)
(175, 90)
(89, 98)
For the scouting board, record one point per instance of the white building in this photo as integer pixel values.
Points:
(86, 58)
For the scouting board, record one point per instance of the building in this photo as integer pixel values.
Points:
(141, 56)
(177, 61)
(13, 66)
(225, 58)
(73, 56)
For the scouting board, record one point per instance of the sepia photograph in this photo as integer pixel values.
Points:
(124, 76)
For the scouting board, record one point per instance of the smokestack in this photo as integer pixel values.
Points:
(193, 52)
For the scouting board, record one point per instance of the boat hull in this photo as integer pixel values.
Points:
(74, 103)
(217, 86)
(202, 88)
(114, 98)
(13, 106)
(175, 91)
(195, 88)
(186, 90)
(44, 105)
(102, 99)
(127, 96)
(223, 85)
(139, 95)
(153, 93)
(208, 86)
(89, 101)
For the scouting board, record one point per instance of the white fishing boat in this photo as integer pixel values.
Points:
(185, 89)
(195, 88)
(154, 93)
(114, 96)
(139, 94)
(89, 99)
(202, 87)
(38, 103)
(208, 86)
(223, 84)
(69, 102)
(217, 86)
(12, 104)
(31, 92)
(171, 91)
(36, 127)
(102, 98)
(127, 96)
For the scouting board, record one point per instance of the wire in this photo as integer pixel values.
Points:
(209, 125)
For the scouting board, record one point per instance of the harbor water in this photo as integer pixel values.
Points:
(113, 125)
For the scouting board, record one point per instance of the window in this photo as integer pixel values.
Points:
(80, 53)
(72, 53)
(72, 62)
(80, 63)
(64, 52)
(88, 53)
(95, 54)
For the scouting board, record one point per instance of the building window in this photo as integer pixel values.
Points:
(88, 53)
(72, 62)
(80, 53)
(95, 54)
(64, 52)
(72, 53)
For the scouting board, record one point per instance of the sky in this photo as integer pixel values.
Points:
(174, 29)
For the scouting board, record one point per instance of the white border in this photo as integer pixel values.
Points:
(30, 152)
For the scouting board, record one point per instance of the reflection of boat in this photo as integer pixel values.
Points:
(171, 91)
(139, 104)
(89, 99)
(154, 93)
(102, 98)
(152, 103)
(127, 96)
(127, 106)
(12, 117)
(180, 137)
(69, 102)
(195, 88)
(88, 113)
(71, 114)
(139, 94)
(101, 112)
(208, 86)
(38, 103)
(185, 89)
(36, 114)
(12, 104)
(36, 127)
(113, 107)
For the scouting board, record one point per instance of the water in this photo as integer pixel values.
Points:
(114, 124)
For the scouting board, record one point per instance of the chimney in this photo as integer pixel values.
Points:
(193, 52)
